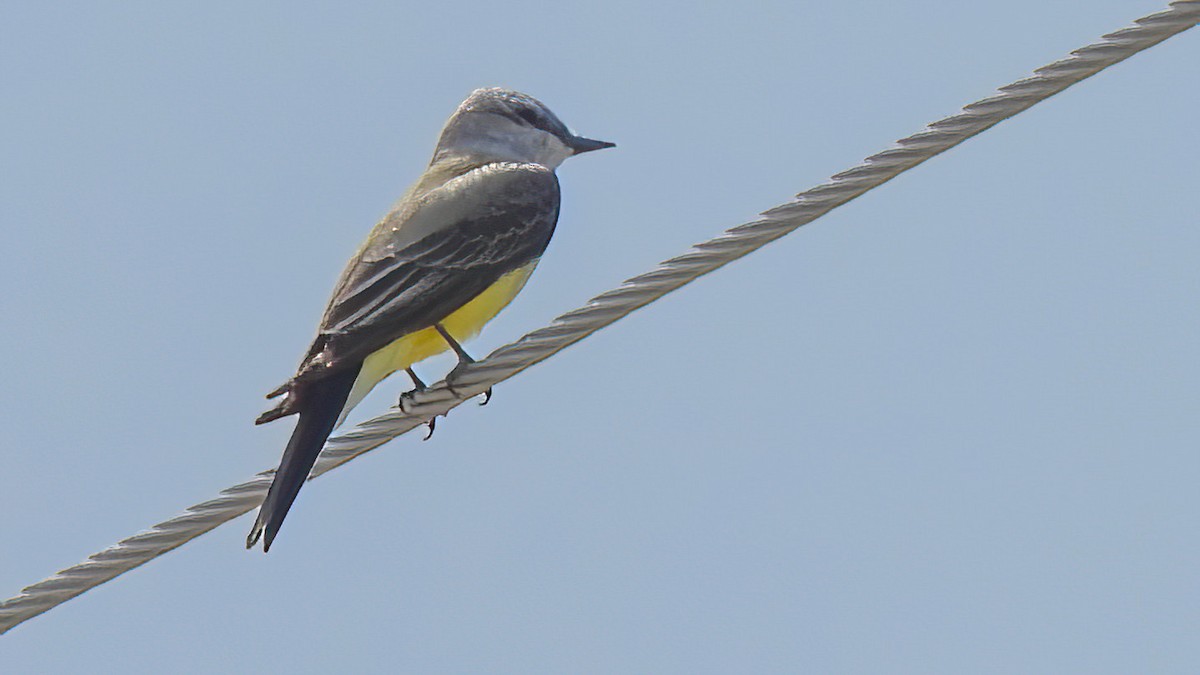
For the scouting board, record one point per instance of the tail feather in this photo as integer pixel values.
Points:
(319, 408)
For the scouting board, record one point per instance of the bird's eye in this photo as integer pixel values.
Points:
(529, 116)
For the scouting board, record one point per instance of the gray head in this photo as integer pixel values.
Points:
(505, 125)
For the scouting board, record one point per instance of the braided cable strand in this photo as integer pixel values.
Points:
(608, 307)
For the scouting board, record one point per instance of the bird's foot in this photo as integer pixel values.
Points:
(403, 405)
(454, 375)
(418, 386)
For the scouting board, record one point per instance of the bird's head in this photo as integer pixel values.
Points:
(504, 125)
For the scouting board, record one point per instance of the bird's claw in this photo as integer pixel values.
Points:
(401, 404)
(453, 374)
(406, 399)
(407, 396)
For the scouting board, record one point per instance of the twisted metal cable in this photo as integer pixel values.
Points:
(608, 307)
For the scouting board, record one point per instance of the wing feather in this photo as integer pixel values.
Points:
(438, 253)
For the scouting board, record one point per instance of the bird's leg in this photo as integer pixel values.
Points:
(463, 356)
(463, 359)
(418, 385)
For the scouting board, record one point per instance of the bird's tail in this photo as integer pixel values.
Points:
(321, 404)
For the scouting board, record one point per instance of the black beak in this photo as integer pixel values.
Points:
(581, 145)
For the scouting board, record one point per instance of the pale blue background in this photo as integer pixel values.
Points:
(952, 427)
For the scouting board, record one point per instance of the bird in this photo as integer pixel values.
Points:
(454, 251)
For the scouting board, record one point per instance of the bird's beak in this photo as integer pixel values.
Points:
(581, 145)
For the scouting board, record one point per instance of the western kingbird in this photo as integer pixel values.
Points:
(449, 256)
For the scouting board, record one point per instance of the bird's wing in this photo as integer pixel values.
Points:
(450, 245)
(423, 262)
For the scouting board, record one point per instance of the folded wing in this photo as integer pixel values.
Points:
(428, 259)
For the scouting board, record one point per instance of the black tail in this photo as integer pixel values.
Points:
(319, 410)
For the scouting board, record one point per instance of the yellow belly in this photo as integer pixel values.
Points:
(464, 323)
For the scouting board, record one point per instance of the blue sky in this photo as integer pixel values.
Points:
(950, 427)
